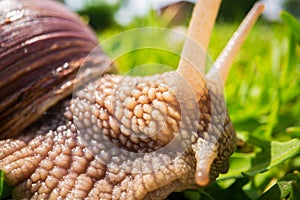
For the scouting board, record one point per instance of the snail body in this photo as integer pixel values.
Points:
(118, 137)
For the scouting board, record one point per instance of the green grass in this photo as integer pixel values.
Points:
(263, 99)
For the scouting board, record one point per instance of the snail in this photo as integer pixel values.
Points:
(118, 137)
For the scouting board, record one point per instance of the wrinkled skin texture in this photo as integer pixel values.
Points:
(89, 147)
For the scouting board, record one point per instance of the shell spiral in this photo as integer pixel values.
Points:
(42, 46)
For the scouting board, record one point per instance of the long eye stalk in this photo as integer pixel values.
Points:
(192, 62)
(223, 63)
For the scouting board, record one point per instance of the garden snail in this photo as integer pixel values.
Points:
(118, 137)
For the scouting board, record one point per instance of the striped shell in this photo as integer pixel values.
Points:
(42, 47)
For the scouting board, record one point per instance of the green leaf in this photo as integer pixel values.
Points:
(294, 131)
(281, 189)
(268, 155)
(292, 22)
(272, 154)
(192, 195)
(1, 182)
(5, 190)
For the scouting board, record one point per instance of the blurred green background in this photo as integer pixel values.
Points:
(109, 13)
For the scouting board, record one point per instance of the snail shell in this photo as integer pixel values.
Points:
(42, 46)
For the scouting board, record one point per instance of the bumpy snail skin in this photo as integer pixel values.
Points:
(52, 161)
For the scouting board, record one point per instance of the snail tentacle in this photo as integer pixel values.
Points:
(223, 63)
(193, 57)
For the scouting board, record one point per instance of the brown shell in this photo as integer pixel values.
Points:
(42, 46)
